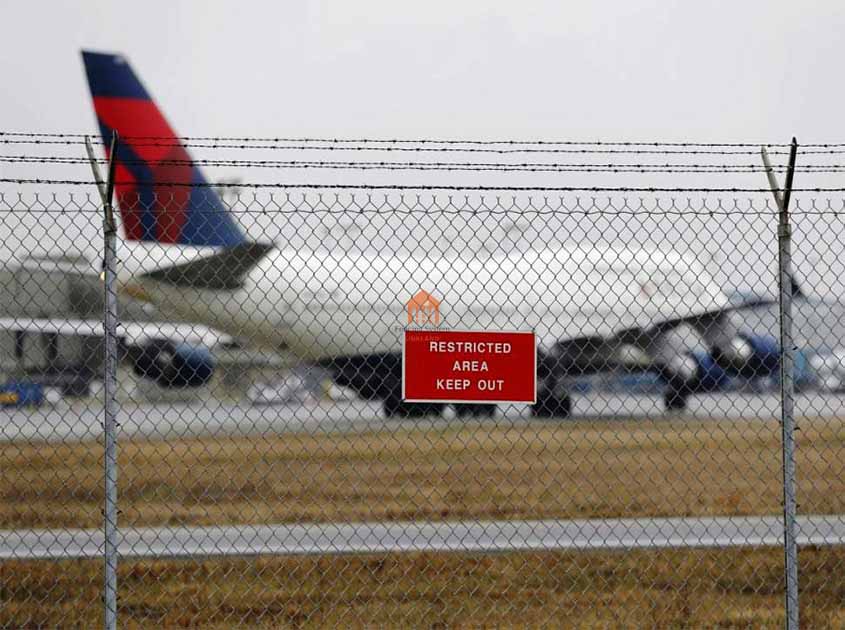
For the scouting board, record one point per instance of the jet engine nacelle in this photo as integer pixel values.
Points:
(694, 371)
(691, 372)
(172, 365)
(709, 375)
(751, 355)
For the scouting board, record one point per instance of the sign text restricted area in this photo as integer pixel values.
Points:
(469, 366)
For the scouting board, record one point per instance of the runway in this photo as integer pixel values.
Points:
(404, 537)
(82, 420)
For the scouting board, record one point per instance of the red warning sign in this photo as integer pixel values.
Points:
(469, 366)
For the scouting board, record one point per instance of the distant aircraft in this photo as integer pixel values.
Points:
(593, 309)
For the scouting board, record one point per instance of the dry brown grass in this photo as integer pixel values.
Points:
(660, 589)
(571, 470)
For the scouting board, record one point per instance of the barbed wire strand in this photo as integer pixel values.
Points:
(445, 166)
(432, 149)
(468, 141)
(375, 205)
(399, 187)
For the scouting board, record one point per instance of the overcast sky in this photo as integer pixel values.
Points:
(624, 70)
(635, 70)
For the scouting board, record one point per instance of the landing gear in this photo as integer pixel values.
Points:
(553, 401)
(474, 410)
(395, 407)
(675, 399)
(551, 407)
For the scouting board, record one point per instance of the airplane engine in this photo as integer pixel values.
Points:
(751, 355)
(172, 365)
(740, 352)
(686, 364)
(709, 375)
(691, 372)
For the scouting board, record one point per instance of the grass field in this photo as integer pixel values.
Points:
(665, 589)
(571, 470)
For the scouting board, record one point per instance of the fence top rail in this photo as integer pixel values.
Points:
(460, 200)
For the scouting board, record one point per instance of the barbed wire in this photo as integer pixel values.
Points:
(434, 149)
(366, 140)
(439, 166)
(468, 141)
(414, 205)
(474, 211)
(400, 187)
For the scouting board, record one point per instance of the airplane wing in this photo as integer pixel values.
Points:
(741, 301)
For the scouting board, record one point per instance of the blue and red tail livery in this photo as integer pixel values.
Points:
(162, 196)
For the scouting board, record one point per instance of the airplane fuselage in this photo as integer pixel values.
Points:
(321, 305)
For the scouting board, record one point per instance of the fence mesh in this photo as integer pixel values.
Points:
(270, 472)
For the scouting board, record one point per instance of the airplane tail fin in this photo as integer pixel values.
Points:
(161, 194)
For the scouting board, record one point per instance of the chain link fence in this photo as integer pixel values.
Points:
(269, 472)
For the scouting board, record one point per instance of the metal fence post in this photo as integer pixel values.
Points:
(787, 384)
(109, 387)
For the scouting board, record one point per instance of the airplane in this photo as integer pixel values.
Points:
(592, 309)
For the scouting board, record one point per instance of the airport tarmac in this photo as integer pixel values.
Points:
(403, 537)
(81, 420)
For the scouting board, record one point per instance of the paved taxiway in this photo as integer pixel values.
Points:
(82, 419)
(399, 537)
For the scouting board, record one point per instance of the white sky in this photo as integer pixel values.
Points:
(635, 70)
